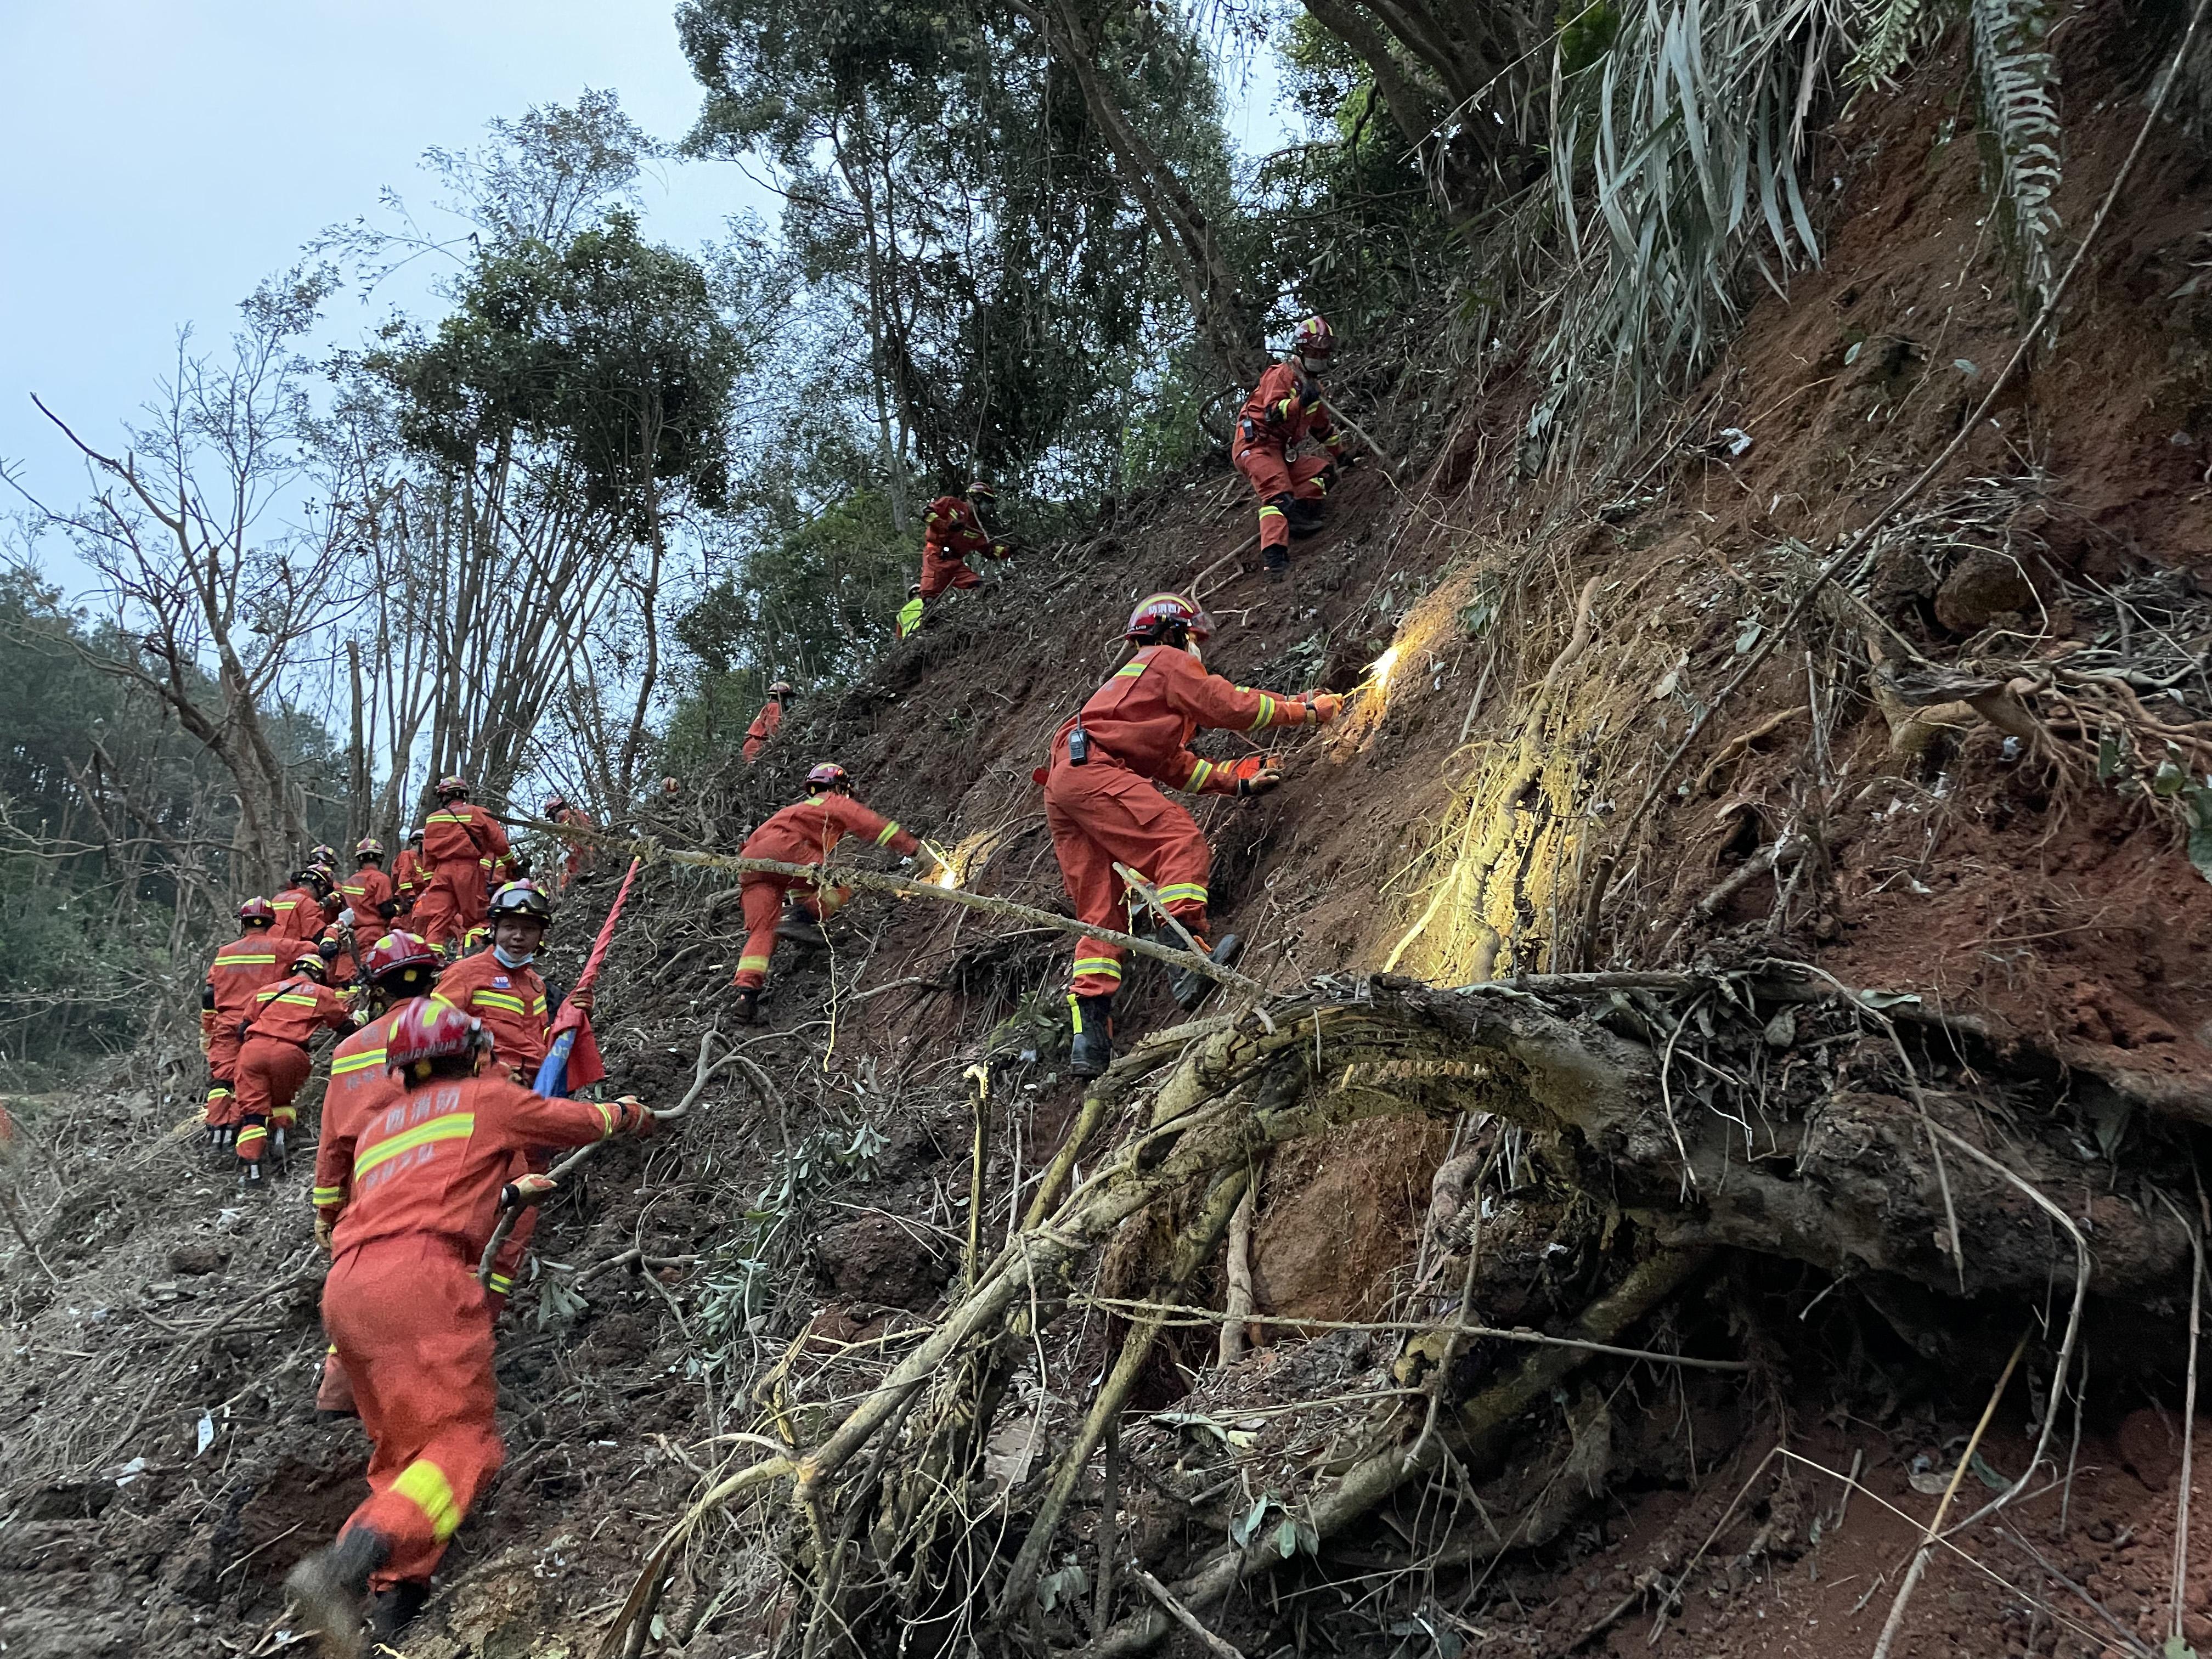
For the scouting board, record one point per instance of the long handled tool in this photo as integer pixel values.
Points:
(1391, 470)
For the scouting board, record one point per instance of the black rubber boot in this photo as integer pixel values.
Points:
(252, 1178)
(797, 927)
(1189, 988)
(744, 1008)
(1092, 1050)
(392, 1611)
(331, 1588)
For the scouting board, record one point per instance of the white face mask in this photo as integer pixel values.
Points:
(1196, 656)
(506, 961)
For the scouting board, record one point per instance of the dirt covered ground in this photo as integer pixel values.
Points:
(1552, 640)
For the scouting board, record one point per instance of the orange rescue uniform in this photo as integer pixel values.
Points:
(579, 854)
(1139, 724)
(411, 1326)
(951, 529)
(273, 1062)
(410, 878)
(298, 915)
(511, 1003)
(241, 968)
(467, 849)
(366, 894)
(1284, 410)
(804, 833)
(763, 728)
(360, 1088)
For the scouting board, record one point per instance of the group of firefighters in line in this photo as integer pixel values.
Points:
(429, 1126)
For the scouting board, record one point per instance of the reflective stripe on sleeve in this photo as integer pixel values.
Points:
(324, 1197)
(1267, 715)
(890, 830)
(1199, 775)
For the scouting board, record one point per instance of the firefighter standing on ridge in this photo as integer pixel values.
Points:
(240, 969)
(411, 1325)
(399, 967)
(273, 1060)
(910, 614)
(764, 728)
(1102, 808)
(469, 853)
(369, 896)
(1284, 409)
(802, 832)
(558, 811)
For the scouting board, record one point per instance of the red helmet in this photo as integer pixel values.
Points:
(258, 910)
(553, 805)
(324, 854)
(1314, 338)
(427, 1029)
(980, 491)
(310, 962)
(828, 775)
(670, 786)
(398, 951)
(454, 784)
(1164, 610)
(369, 847)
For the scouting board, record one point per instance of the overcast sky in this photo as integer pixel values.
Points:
(163, 158)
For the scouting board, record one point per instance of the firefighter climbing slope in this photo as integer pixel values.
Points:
(370, 901)
(468, 853)
(273, 1060)
(803, 832)
(411, 872)
(1103, 806)
(241, 968)
(763, 731)
(1283, 410)
(558, 809)
(412, 1326)
(952, 532)
(398, 967)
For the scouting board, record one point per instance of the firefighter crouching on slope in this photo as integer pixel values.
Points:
(764, 728)
(503, 990)
(370, 899)
(952, 530)
(469, 853)
(1102, 808)
(1284, 410)
(307, 904)
(273, 1060)
(412, 1326)
(399, 967)
(802, 832)
(244, 966)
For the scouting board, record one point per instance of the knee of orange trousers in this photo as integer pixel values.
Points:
(823, 903)
(420, 1505)
(763, 896)
(939, 574)
(221, 1104)
(1305, 476)
(252, 1138)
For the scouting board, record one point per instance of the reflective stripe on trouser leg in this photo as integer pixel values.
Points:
(764, 902)
(251, 1135)
(1101, 814)
(1265, 468)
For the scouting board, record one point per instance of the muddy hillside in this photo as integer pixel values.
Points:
(1708, 1159)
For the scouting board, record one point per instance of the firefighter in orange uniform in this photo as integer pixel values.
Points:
(307, 905)
(468, 853)
(558, 811)
(273, 1061)
(399, 966)
(504, 990)
(952, 530)
(1101, 803)
(1284, 410)
(371, 901)
(411, 874)
(412, 1326)
(240, 969)
(764, 728)
(802, 832)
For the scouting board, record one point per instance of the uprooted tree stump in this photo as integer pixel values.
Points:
(1766, 1111)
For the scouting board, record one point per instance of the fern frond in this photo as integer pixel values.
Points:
(2019, 118)
(1887, 31)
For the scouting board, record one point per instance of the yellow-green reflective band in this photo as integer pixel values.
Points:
(1271, 512)
(500, 1284)
(454, 1126)
(366, 1060)
(298, 999)
(327, 1195)
(1199, 775)
(251, 1135)
(1182, 890)
(1106, 967)
(759, 964)
(1267, 713)
(498, 1000)
(423, 1484)
(889, 829)
(1129, 670)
